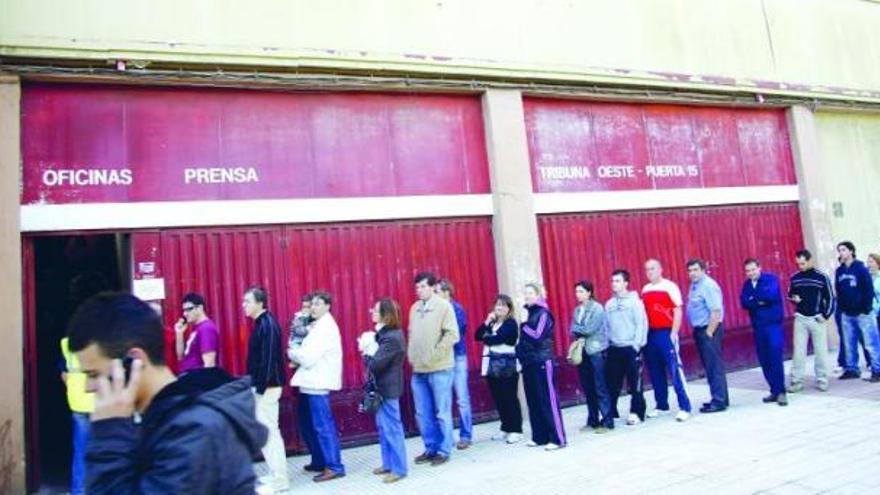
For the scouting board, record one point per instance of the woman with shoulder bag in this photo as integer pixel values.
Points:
(384, 354)
(588, 326)
(498, 335)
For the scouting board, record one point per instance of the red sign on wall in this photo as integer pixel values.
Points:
(87, 144)
(586, 146)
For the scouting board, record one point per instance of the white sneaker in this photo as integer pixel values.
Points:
(682, 416)
(269, 489)
(514, 438)
(551, 446)
(265, 480)
(531, 443)
(656, 413)
(499, 436)
(633, 420)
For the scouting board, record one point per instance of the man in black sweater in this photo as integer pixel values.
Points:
(812, 293)
(265, 365)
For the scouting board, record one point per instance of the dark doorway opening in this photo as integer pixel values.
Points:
(67, 270)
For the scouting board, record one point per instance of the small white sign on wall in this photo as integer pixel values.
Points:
(149, 289)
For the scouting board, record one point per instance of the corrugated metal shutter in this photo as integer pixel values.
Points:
(357, 263)
(591, 246)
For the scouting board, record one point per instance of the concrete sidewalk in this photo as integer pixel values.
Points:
(821, 443)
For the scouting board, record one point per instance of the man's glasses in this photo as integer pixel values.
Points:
(187, 309)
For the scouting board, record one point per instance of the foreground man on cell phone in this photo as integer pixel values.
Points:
(196, 434)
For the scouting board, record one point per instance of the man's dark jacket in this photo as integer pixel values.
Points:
(198, 435)
(265, 361)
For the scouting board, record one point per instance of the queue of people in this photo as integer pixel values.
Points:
(127, 368)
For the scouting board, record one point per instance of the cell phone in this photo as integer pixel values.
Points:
(126, 365)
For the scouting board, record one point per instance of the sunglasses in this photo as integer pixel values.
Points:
(187, 309)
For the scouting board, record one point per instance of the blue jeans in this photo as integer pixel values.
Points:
(81, 426)
(460, 385)
(864, 327)
(841, 348)
(318, 429)
(432, 396)
(391, 437)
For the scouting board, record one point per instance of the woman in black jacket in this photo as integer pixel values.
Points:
(499, 334)
(535, 353)
(384, 357)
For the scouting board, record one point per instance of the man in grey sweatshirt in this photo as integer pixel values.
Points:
(627, 335)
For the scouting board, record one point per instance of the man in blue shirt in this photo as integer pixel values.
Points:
(446, 290)
(762, 298)
(705, 311)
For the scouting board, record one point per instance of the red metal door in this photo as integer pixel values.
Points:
(357, 263)
(360, 263)
(590, 246)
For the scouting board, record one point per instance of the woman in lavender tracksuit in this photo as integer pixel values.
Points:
(535, 353)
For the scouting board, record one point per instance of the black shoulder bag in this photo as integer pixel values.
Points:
(372, 399)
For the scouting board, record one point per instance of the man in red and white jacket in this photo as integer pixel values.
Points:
(663, 303)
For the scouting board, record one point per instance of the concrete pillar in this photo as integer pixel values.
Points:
(815, 208)
(12, 467)
(514, 224)
(517, 247)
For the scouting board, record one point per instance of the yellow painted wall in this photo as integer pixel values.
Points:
(814, 45)
(849, 144)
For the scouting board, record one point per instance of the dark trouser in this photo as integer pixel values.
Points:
(661, 354)
(841, 347)
(625, 362)
(713, 362)
(504, 393)
(545, 417)
(768, 343)
(592, 374)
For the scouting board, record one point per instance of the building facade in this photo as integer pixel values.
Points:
(345, 147)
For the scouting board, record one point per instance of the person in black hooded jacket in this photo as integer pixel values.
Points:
(197, 434)
(535, 354)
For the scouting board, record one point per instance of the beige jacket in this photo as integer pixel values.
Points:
(433, 331)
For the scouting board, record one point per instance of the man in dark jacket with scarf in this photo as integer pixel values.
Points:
(761, 296)
(198, 434)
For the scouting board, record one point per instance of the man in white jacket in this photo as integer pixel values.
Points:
(319, 370)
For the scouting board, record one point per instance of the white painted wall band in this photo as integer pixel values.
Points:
(47, 218)
(662, 198)
(98, 216)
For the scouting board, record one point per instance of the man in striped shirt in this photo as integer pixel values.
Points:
(812, 293)
(663, 303)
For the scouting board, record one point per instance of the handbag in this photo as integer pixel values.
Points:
(576, 352)
(501, 365)
(372, 399)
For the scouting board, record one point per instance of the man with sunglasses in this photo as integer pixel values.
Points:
(200, 349)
